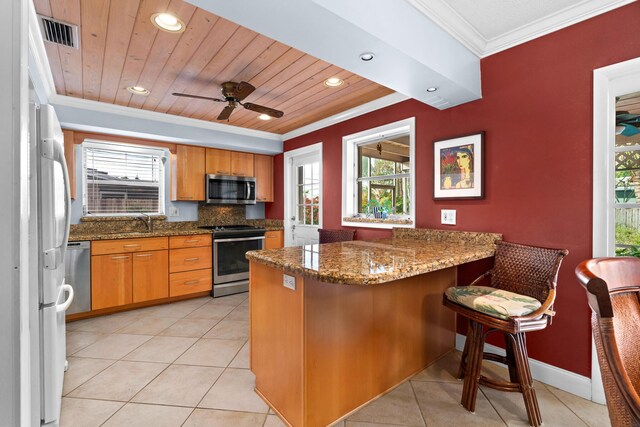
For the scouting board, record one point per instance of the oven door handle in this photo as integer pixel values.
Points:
(238, 239)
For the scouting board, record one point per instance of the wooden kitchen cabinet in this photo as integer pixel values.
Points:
(263, 168)
(190, 265)
(111, 279)
(150, 276)
(218, 162)
(187, 174)
(190, 259)
(274, 239)
(242, 164)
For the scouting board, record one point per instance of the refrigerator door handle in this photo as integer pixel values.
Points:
(65, 305)
(54, 257)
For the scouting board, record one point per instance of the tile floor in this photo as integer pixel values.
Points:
(187, 364)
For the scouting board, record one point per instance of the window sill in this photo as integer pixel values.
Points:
(99, 218)
(377, 222)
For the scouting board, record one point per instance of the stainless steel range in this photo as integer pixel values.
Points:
(230, 267)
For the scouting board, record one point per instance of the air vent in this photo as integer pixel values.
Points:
(59, 32)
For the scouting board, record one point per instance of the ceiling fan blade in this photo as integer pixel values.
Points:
(186, 95)
(226, 112)
(242, 90)
(263, 110)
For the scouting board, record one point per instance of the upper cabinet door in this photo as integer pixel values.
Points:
(218, 162)
(241, 164)
(188, 172)
(264, 178)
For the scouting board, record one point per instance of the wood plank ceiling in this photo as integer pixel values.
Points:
(120, 47)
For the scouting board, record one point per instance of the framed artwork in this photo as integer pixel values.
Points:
(458, 171)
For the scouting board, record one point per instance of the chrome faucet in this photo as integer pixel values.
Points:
(146, 218)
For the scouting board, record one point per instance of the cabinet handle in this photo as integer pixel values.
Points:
(191, 259)
(186, 197)
(120, 257)
(192, 241)
(144, 255)
(222, 172)
(191, 282)
(132, 245)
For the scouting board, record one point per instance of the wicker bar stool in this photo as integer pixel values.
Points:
(331, 236)
(519, 299)
(613, 291)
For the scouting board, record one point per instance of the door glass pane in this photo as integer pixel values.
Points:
(308, 193)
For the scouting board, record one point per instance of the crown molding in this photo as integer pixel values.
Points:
(136, 113)
(376, 104)
(39, 68)
(446, 17)
(557, 21)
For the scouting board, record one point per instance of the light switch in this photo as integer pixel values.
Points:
(173, 211)
(289, 282)
(448, 216)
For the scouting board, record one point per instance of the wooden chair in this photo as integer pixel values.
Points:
(613, 291)
(519, 299)
(331, 236)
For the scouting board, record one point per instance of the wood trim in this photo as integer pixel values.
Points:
(80, 136)
(70, 157)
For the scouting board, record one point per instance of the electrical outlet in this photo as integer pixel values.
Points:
(448, 216)
(173, 211)
(289, 282)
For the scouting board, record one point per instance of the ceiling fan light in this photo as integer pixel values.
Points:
(333, 82)
(167, 22)
(138, 90)
(367, 56)
(264, 117)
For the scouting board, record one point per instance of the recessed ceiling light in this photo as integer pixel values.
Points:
(264, 117)
(167, 22)
(367, 56)
(432, 89)
(138, 90)
(333, 82)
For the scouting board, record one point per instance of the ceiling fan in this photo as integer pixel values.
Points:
(233, 94)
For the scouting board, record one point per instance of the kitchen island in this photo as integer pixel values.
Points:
(336, 325)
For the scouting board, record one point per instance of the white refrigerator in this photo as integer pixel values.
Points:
(52, 215)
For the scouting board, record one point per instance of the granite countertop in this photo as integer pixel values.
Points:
(76, 237)
(378, 261)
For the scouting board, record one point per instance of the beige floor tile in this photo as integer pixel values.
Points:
(211, 311)
(239, 313)
(230, 330)
(361, 424)
(242, 359)
(120, 381)
(179, 385)
(274, 421)
(82, 370)
(234, 391)
(161, 349)
(444, 369)
(103, 324)
(77, 340)
(114, 346)
(212, 352)
(214, 418)
(137, 415)
(148, 325)
(440, 405)
(398, 406)
(594, 414)
(177, 309)
(195, 328)
(234, 300)
(86, 412)
(511, 408)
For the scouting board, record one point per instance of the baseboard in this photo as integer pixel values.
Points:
(543, 372)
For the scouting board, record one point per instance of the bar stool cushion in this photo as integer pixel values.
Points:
(493, 302)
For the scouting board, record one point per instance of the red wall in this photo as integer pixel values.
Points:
(536, 111)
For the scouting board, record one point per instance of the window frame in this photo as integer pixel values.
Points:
(350, 144)
(130, 148)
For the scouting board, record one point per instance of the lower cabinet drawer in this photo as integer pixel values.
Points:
(190, 282)
(189, 259)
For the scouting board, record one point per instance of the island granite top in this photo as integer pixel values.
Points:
(408, 253)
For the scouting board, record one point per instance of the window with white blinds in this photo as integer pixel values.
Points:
(122, 179)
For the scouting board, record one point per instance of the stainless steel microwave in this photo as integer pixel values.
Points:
(230, 190)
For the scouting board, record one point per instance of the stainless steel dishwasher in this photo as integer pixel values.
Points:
(78, 275)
